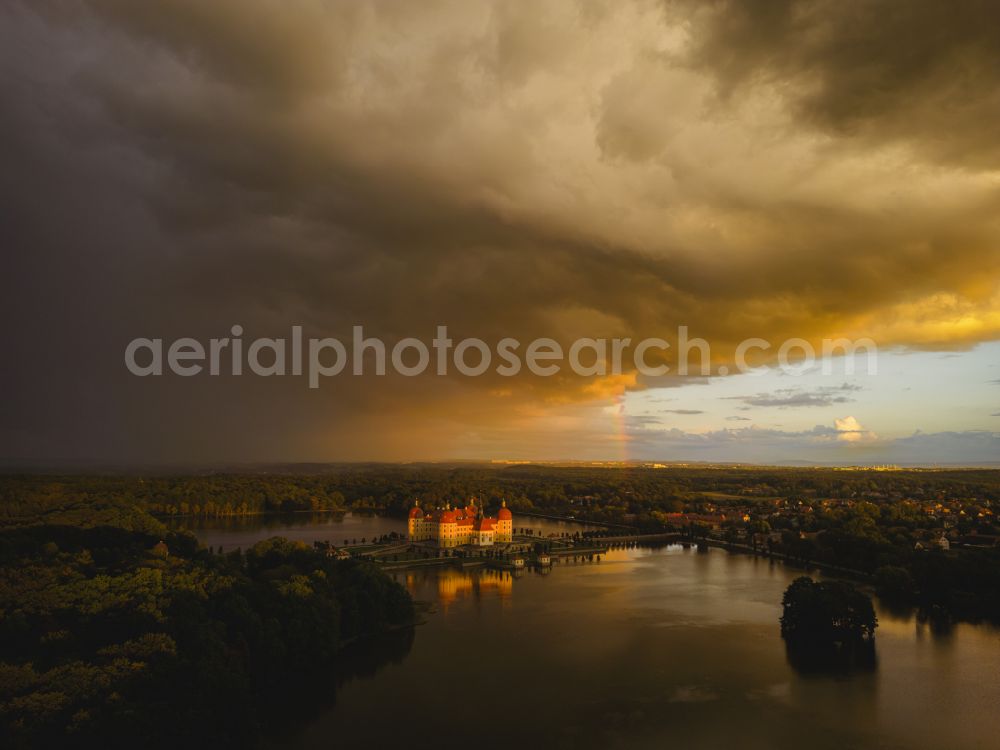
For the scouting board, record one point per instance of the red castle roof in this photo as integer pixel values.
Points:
(464, 517)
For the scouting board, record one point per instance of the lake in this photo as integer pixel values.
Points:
(645, 649)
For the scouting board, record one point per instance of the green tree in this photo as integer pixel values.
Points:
(828, 612)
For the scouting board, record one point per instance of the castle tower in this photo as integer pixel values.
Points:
(415, 525)
(505, 524)
(447, 535)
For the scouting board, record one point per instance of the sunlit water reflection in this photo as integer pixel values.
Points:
(649, 648)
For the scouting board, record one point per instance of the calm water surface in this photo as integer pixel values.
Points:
(648, 648)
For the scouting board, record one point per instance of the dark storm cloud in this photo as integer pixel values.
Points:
(282, 176)
(911, 70)
(173, 168)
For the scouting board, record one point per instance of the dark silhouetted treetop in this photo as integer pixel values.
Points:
(828, 612)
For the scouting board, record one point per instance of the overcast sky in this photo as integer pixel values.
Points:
(778, 168)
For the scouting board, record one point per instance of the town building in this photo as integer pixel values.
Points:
(453, 527)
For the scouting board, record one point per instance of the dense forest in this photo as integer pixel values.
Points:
(25, 497)
(116, 632)
(622, 493)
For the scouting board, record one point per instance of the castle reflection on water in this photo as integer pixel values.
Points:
(444, 586)
(461, 584)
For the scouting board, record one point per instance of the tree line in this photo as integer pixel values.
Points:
(117, 632)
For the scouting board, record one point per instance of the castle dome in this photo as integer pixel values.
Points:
(504, 514)
(415, 512)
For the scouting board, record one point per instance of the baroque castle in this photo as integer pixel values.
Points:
(453, 527)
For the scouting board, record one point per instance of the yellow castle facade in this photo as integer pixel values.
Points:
(453, 527)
